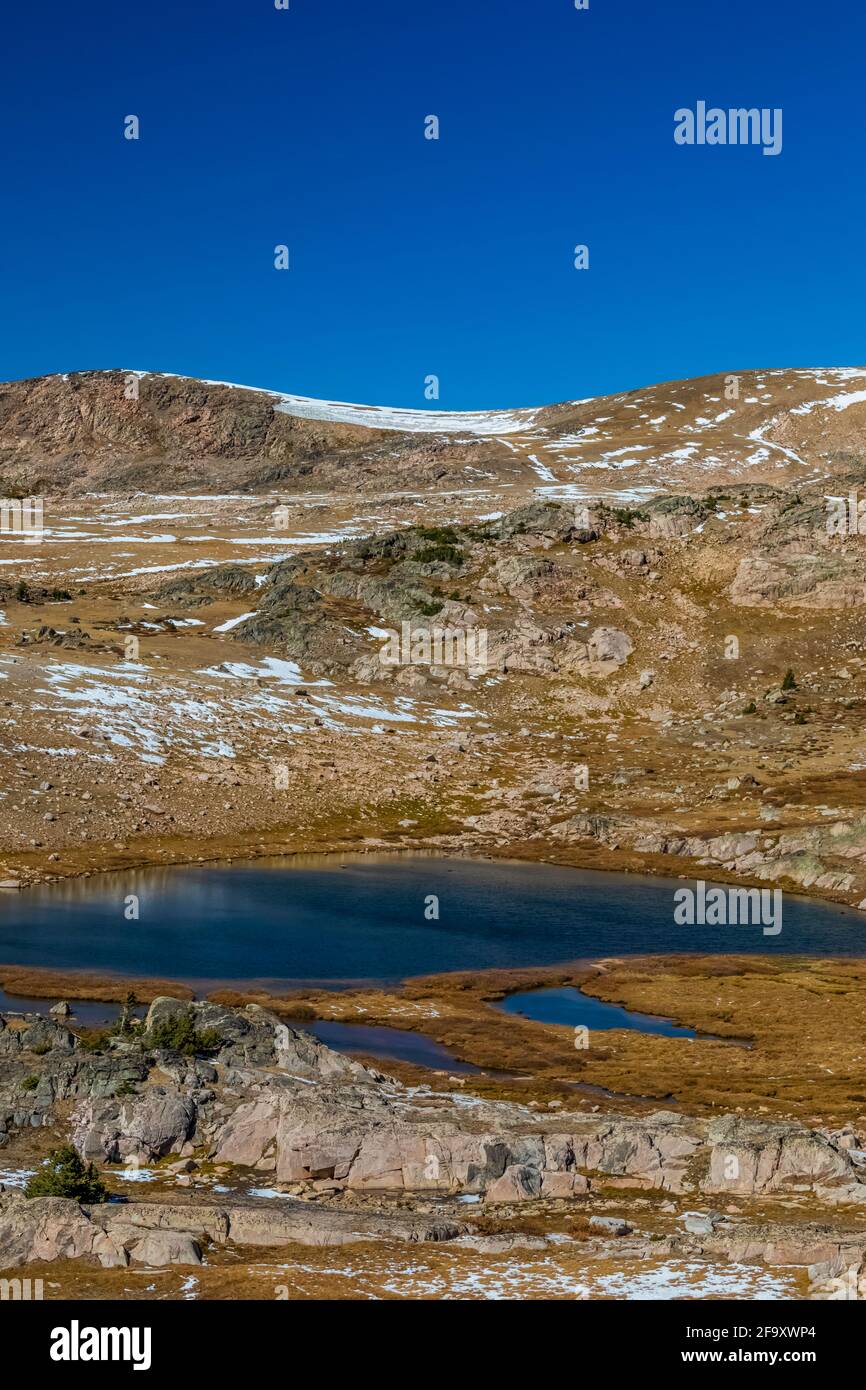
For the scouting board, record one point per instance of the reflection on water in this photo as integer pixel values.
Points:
(390, 1044)
(85, 1011)
(362, 918)
(91, 1013)
(569, 1006)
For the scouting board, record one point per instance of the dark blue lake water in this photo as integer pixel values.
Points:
(390, 1044)
(362, 918)
(572, 1007)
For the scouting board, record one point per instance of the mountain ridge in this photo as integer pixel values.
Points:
(83, 431)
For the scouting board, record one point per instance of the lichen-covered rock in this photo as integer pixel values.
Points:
(154, 1124)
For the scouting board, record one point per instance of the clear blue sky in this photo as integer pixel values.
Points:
(411, 257)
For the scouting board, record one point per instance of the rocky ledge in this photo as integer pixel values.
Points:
(352, 1155)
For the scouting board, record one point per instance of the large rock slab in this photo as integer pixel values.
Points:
(149, 1126)
(52, 1228)
(749, 1156)
(153, 1234)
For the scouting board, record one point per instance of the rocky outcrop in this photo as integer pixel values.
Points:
(674, 515)
(753, 1157)
(519, 1182)
(831, 581)
(319, 607)
(155, 1234)
(358, 1157)
(148, 1127)
(274, 1100)
(21, 1033)
(609, 646)
(534, 650)
(159, 1235)
(522, 576)
(252, 1037)
(206, 586)
(383, 1144)
(550, 521)
(166, 1248)
(51, 1228)
(42, 1064)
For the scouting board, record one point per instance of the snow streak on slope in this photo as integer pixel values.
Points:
(382, 417)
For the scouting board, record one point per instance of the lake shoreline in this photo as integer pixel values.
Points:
(26, 871)
(348, 922)
(511, 930)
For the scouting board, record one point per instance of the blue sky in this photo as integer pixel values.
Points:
(412, 257)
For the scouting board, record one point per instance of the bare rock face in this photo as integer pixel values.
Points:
(150, 1126)
(522, 576)
(381, 1142)
(562, 1185)
(534, 650)
(609, 644)
(518, 1183)
(674, 515)
(26, 1032)
(51, 1228)
(302, 1223)
(246, 1137)
(166, 1248)
(749, 1156)
(546, 521)
(817, 581)
(156, 1234)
